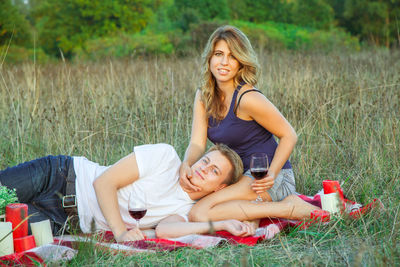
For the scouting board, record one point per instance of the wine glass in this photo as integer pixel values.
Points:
(259, 168)
(137, 207)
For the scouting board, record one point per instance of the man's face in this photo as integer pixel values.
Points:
(211, 171)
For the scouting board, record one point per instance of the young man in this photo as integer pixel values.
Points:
(55, 187)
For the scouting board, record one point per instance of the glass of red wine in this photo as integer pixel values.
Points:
(137, 206)
(259, 168)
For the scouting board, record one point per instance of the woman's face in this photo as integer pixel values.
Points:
(223, 65)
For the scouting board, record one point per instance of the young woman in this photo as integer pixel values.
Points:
(229, 109)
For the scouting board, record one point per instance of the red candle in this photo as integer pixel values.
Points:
(320, 215)
(24, 243)
(333, 187)
(16, 213)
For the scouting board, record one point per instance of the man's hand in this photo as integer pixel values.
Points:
(131, 235)
(262, 185)
(185, 174)
(237, 228)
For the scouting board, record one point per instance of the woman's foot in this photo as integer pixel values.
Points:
(298, 209)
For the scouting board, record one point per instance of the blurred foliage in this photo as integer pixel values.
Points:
(7, 196)
(193, 11)
(18, 54)
(275, 36)
(266, 36)
(199, 33)
(119, 28)
(14, 27)
(65, 25)
(376, 22)
(312, 13)
(261, 11)
(124, 45)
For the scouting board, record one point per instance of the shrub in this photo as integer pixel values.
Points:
(275, 36)
(18, 54)
(199, 33)
(13, 25)
(125, 45)
(334, 39)
(66, 25)
(7, 196)
(263, 36)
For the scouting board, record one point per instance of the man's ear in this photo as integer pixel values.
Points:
(221, 186)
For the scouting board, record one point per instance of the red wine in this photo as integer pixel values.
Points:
(259, 173)
(137, 214)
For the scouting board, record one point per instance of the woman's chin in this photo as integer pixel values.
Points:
(224, 80)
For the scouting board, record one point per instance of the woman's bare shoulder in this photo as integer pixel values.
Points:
(250, 95)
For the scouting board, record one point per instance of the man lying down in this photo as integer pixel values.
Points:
(58, 187)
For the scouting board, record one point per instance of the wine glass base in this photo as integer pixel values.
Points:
(258, 200)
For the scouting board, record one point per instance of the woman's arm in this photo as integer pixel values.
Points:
(176, 226)
(259, 108)
(119, 175)
(197, 145)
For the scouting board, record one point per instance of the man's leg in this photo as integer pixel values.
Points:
(292, 207)
(41, 184)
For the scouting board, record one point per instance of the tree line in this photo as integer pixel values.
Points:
(67, 27)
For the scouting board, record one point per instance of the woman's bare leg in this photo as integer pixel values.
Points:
(234, 202)
(292, 207)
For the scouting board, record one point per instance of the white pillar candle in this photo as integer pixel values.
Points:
(6, 245)
(42, 233)
(330, 202)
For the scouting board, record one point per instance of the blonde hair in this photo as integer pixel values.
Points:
(242, 50)
(234, 159)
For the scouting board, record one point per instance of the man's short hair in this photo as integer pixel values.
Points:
(234, 159)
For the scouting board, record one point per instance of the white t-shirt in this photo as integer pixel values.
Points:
(158, 180)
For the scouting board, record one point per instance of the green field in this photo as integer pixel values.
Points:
(345, 109)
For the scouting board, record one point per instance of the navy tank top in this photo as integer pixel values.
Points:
(245, 137)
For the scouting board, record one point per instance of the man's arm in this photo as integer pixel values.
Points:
(176, 226)
(202, 211)
(119, 175)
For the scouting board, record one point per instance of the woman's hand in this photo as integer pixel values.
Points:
(262, 185)
(185, 174)
(237, 228)
(131, 235)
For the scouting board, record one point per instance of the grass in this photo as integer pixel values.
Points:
(344, 107)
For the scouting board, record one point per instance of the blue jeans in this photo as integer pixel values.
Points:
(41, 184)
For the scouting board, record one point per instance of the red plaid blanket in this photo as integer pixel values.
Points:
(65, 247)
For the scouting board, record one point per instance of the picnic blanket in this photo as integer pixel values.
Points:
(66, 247)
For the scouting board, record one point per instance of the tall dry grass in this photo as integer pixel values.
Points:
(344, 107)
